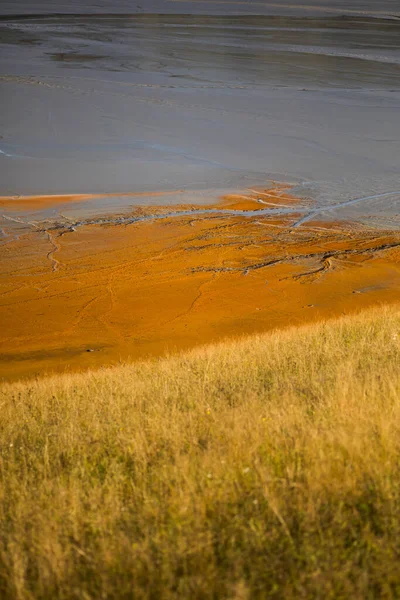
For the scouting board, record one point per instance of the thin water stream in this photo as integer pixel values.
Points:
(253, 148)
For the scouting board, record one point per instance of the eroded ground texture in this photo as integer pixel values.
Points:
(86, 293)
(141, 150)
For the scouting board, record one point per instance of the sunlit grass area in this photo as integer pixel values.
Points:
(265, 467)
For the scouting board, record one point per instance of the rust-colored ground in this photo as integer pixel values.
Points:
(18, 203)
(73, 299)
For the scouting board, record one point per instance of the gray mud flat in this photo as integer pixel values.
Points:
(203, 103)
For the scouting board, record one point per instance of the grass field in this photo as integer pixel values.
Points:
(268, 467)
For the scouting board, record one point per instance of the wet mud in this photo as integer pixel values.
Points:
(116, 101)
(139, 155)
(91, 293)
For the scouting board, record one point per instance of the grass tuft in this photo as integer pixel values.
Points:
(266, 467)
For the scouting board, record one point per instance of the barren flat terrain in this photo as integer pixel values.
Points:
(78, 294)
(181, 172)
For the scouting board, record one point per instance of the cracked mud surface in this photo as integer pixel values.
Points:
(76, 295)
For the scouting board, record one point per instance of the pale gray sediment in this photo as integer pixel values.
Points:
(162, 102)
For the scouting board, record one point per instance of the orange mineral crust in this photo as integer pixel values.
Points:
(46, 201)
(95, 294)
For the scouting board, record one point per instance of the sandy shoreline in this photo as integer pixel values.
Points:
(74, 299)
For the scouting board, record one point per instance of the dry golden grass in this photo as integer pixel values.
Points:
(267, 467)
